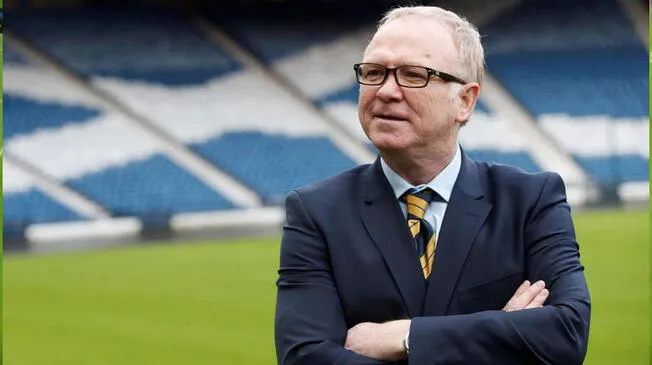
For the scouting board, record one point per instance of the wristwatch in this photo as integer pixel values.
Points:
(406, 343)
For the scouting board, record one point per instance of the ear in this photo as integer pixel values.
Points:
(468, 97)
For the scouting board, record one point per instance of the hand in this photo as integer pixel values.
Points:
(528, 296)
(380, 341)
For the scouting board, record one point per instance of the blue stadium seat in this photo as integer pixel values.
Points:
(274, 165)
(480, 106)
(610, 82)
(12, 57)
(154, 185)
(128, 189)
(153, 45)
(165, 49)
(273, 34)
(349, 94)
(580, 61)
(32, 206)
(23, 116)
(541, 25)
(519, 159)
(578, 57)
(617, 169)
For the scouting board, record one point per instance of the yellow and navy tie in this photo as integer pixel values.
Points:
(417, 203)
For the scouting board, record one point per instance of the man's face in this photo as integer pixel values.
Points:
(394, 117)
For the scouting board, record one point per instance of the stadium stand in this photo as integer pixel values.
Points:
(72, 138)
(266, 116)
(588, 91)
(24, 203)
(26, 115)
(191, 88)
(12, 57)
(488, 138)
(317, 59)
(332, 47)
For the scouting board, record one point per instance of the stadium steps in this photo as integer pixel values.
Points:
(195, 164)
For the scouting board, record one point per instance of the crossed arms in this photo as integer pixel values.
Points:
(310, 326)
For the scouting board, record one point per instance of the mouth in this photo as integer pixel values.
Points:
(390, 117)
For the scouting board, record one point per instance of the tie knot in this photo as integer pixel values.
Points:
(417, 202)
(426, 194)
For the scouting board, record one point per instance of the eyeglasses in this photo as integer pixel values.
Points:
(406, 76)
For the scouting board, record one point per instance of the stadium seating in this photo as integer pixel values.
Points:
(154, 185)
(72, 138)
(617, 167)
(487, 138)
(22, 208)
(194, 90)
(25, 203)
(148, 45)
(273, 165)
(33, 206)
(12, 57)
(317, 60)
(333, 50)
(26, 115)
(588, 91)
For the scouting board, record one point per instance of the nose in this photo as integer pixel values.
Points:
(390, 90)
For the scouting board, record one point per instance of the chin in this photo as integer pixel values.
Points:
(387, 142)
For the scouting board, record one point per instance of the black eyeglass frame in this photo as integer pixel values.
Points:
(431, 72)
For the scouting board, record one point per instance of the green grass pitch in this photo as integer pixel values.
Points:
(206, 303)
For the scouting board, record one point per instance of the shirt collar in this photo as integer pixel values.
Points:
(442, 184)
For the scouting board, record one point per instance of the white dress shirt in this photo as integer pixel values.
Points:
(442, 184)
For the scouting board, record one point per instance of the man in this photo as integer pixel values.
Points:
(425, 256)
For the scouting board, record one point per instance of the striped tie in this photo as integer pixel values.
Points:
(422, 231)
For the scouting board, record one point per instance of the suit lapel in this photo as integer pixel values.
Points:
(465, 215)
(384, 221)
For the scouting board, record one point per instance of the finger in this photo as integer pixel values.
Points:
(521, 289)
(539, 299)
(526, 298)
(347, 341)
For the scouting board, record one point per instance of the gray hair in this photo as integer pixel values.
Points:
(465, 35)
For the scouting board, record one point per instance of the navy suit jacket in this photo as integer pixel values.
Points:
(347, 257)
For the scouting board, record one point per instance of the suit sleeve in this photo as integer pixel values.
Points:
(309, 324)
(554, 334)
